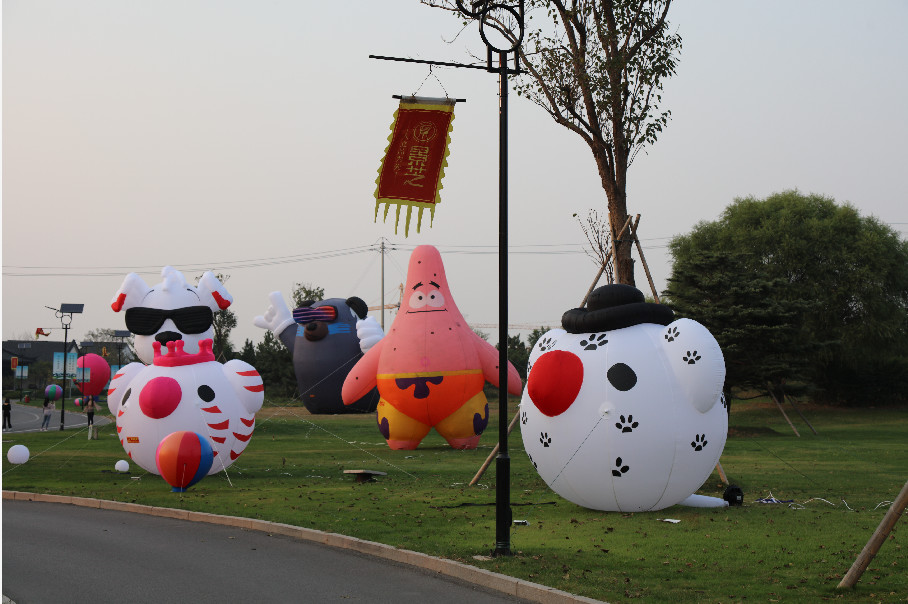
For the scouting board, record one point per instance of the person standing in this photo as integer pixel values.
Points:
(49, 407)
(90, 414)
(7, 411)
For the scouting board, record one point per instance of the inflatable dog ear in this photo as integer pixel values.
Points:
(696, 360)
(212, 292)
(133, 292)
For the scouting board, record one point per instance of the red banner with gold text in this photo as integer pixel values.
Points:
(415, 159)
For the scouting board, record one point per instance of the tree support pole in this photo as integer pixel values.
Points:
(785, 415)
(488, 461)
(876, 541)
(791, 400)
(649, 277)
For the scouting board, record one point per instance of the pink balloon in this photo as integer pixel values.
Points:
(98, 377)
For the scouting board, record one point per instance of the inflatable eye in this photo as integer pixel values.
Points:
(316, 331)
(418, 300)
(435, 298)
(622, 377)
(205, 393)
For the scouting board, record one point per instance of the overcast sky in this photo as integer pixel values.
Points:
(244, 138)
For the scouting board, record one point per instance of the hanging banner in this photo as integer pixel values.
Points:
(415, 158)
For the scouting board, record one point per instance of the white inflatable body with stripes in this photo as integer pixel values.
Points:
(182, 391)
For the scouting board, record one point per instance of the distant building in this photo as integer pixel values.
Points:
(42, 352)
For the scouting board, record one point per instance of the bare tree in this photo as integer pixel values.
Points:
(597, 67)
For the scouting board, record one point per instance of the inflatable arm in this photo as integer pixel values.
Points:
(488, 358)
(362, 378)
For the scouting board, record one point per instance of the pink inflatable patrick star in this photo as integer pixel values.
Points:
(430, 367)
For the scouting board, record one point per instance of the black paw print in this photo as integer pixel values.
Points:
(545, 439)
(594, 341)
(546, 344)
(523, 418)
(671, 334)
(691, 358)
(627, 425)
(621, 469)
(699, 442)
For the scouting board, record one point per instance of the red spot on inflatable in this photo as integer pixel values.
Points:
(258, 388)
(252, 373)
(219, 439)
(213, 409)
(234, 455)
(243, 437)
(221, 426)
(247, 422)
(555, 381)
(160, 397)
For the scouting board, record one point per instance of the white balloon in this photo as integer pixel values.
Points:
(122, 466)
(629, 419)
(17, 454)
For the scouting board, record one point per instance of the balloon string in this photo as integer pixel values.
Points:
(289, 409)
(58, 443)
(220, 453)
(577, 450)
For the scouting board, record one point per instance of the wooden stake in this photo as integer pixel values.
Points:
(876, 541)
(722, 475)
(592, 286)
(494, 452)
(791, 400)
(785, 415)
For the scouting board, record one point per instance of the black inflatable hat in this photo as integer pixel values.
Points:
(615, 306)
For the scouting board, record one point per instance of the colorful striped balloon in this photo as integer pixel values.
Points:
(183, 458)
(53, 392)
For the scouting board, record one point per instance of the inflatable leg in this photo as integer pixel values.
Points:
(462, 428)
(401, 431)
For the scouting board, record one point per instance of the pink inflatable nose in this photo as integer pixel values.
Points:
(555, 381)
(160, 397)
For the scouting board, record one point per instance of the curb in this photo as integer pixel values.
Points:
(526, 590)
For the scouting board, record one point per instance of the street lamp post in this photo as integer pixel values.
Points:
(22, 371)
(501, 27)
(65, 314)
(120, 335)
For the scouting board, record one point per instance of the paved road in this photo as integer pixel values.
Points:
(66, 553)
(25, 418)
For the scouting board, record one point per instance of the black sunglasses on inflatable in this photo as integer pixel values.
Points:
(147, 321)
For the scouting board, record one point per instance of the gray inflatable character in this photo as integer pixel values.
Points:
(326, 338)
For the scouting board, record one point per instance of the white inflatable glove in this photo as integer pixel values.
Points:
(369, 333)
(278, 317)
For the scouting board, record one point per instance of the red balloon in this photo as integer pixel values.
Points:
(98, 377)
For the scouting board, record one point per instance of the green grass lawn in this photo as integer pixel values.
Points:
(292, 472)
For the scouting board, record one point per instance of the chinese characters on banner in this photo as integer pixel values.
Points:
(414, 163)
